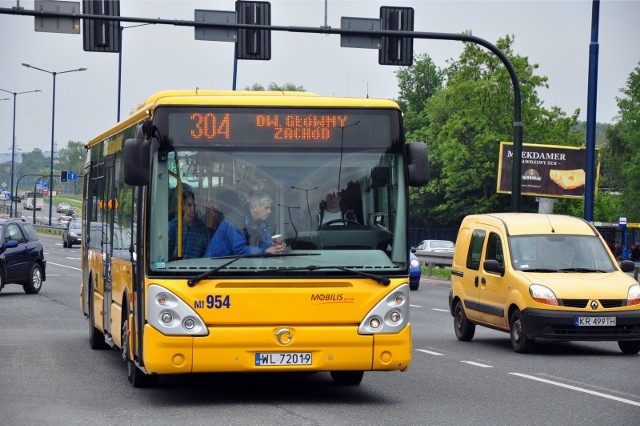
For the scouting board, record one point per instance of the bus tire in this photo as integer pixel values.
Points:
(34, 283)
(96, 338)
(137, 377)
(347, 378)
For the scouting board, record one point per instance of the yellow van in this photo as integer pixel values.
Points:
(541, 277)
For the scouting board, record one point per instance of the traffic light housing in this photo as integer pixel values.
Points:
(396, 50)
(63, 176)
(253, 44)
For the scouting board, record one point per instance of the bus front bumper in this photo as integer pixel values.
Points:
(241, 349)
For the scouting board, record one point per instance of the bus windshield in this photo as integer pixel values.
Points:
(330, 183)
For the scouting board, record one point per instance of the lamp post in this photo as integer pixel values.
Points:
(53, 122)
(13, 141)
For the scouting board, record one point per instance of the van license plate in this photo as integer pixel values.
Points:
(283, 358)
(595, 321)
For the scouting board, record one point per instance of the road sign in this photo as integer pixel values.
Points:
(72, 176)
(41, 183)
(58, 24)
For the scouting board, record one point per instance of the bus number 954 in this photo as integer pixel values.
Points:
(216, 301)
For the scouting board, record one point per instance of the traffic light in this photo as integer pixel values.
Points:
(63, 176)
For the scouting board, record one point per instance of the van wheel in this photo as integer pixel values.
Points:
(464, 328)
(519, 340)
(629, 347)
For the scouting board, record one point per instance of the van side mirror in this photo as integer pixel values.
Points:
(417, 163)
(492, 265)
(628, 266)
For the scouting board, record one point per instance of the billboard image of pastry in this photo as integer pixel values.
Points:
(547, 170)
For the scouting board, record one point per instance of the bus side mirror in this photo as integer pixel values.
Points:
(417, 163)
(137, 155)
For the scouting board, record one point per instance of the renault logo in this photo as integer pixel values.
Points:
(284, 336)
(594, 305)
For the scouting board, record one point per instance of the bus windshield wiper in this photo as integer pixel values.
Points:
(195, 280)
(377, 278)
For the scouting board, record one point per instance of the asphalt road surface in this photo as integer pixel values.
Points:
(50, 376)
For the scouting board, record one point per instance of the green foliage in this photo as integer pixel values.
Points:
(464, 122)
(274, 87)
(621, 155)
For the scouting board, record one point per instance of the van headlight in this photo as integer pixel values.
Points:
(390, 315)
(543, 294)
(171, 316)
(633, 295)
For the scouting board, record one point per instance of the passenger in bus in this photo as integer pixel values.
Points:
(195, 234)
(247, 232)
(331, 210)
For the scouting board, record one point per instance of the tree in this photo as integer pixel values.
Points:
(467, 119)
(72, 157)
(417, 84)
(621, 154)
(273, 87)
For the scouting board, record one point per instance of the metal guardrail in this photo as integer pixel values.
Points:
(435, 259)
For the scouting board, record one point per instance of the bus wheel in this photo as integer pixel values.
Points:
(34, 283)
(96, 338)
(137, 377)
(349, 378)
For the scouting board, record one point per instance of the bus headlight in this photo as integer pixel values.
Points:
(171, 316)
(390, 315)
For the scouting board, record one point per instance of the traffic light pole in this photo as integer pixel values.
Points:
(516, 176)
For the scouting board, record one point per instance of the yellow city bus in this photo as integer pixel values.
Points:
(335, 300)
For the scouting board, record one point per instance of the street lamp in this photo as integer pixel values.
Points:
(13, 141)
(53, 122)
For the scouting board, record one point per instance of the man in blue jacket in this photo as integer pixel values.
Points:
(246, 234)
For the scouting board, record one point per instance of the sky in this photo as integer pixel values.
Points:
(554, 34)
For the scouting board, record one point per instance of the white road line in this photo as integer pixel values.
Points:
(440, 310)
(429, 352)
(575, 388)
(415, 306)
(477, 364)
(63, 266)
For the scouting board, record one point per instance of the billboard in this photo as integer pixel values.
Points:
(547, 170)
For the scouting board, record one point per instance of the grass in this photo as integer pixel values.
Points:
(444, 273)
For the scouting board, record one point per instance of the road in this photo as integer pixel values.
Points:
(49, 375)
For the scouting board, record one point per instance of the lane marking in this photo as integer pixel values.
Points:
(63, 266)
(429, 352)
(440, 310)
(415, 306)
(477, 364)
(578, 389)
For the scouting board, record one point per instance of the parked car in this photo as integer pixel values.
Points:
(542, 277)
(415, 270)
(63, 207)
(436, 246)
(439, 247)
(72, 233)
(21, 256)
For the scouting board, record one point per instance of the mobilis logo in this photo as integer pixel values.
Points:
(328, 297)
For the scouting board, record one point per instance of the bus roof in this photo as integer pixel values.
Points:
(240, 98)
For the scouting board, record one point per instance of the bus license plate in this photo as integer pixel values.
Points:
(595, 321)
(283, 358)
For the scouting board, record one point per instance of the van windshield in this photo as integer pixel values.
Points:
(558, 253)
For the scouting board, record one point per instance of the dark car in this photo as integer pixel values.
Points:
(72, 233)
(21, 256)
